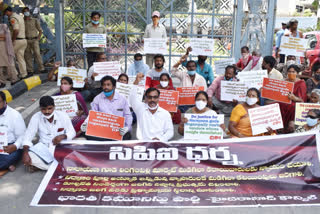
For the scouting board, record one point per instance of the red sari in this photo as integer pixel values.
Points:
(288, 110)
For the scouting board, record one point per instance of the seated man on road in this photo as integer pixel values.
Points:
(214, 91)
(11, 123)
(52, 127)
(154, 123)
(138, 66)
(111, 102)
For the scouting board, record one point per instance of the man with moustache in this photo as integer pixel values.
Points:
(154, 123)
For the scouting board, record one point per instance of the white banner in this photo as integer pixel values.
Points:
(112, 68)
(66, 103)
(202, 46)
(77, 75)
(231, 90)
(253, 78)
(90, 40)
(142, 83)
(293, 46)
(125, 90)
(221, 65)
(155, 46)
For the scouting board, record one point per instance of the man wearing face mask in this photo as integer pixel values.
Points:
(52, 127)
(97, 28)
(245, 58)
(138, 66)
(111, 102)
(154, 123)
(33, 35)
(214, 91)
(12, 124)
(313, 82)
(268, 64)
(202, 68)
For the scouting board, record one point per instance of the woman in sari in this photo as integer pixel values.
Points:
(299, 95)
(82, 113)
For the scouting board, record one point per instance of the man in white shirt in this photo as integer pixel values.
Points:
(154, 30)
(12, 127)
(269, 62)
(154, 123)
(52, 127)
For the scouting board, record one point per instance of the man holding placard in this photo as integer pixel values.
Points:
(154, 30)
(12, 128)
(111, 102)
(96, 28)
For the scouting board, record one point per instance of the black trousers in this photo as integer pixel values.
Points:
(91, 58)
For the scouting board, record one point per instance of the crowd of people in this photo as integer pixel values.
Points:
(152, 121)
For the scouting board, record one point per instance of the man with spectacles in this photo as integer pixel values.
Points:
(154, 123)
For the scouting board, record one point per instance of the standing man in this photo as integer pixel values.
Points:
(202, 68)
(97, 28)
(293, 29)
(18, 39)
(154, 30)
(279, 35)
(33, 35)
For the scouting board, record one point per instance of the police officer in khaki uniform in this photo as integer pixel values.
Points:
(18, 39)
(33, 35)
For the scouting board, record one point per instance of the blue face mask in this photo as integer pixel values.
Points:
(95, 22)
(192, 73)
(138, 63)
(312, 122)
(109, 93)
(228, 79)
(26, 13)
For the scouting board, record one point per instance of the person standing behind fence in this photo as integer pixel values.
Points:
(97, 28)
(33, 35)
(154, 30)
(18, 39)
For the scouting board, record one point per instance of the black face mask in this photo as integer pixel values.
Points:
(317, 76)
(2, 110)
(201, 60)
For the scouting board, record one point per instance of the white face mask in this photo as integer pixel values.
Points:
(251, 101)
(48, 117)
(164, 84)
(201, 104)
(153, 108)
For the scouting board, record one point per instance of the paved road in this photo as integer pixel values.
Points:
(18, 188)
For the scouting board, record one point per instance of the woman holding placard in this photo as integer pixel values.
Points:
(313, 122)
(239, 124)
(82, 113)
(201, 100)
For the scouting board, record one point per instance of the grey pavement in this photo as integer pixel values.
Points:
(17, 188)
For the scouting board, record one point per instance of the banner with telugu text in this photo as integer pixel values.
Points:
(259, 171)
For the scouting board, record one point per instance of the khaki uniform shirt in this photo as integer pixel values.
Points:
(98, 30)
(32, 28)
(17, 23)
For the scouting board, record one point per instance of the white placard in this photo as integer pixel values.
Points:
(293, 46)
(203, 126)
(90, 40)
(231, 90)
(125, 89)
(155, 46)
(220, 65)
(77, 75)
(66, 103)
(265, 116)
(142, 83)
(253, 78)
(112, 68)
(3, 138)
(202, 46)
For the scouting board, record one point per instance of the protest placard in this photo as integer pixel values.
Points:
(90, 40)
(187, 94)
(125, 89)
(3, 139)
(220, 65)
(112, 68)
(231, 90)
(202, 46)
(104, 125)
(293, 46)
(302, 110)
(155, 46)
(169, 100)
(277, 90)
(203, 126)
(265, 116)
(254, 79)
(77, 75)
(142, 83)
(66, 103)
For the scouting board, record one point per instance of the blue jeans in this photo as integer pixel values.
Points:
(8, 160)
